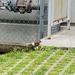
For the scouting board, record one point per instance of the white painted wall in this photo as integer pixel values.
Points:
(73, 11)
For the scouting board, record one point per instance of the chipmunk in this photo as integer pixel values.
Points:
(37, 43)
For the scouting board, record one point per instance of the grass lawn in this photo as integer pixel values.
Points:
(44, 61)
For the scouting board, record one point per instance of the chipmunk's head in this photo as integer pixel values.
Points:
(37, 42)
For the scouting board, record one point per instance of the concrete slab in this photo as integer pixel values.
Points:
(63, 38)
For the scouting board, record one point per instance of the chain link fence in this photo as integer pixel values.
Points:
(19, 28)
(25, 28)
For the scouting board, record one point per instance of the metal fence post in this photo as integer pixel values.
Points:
(41, 19)
(49, 17)
(68, 14)
(52, 12)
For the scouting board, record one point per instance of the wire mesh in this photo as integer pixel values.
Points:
(45, 27)
(20, 28)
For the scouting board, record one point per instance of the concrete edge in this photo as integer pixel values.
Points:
(7, 47)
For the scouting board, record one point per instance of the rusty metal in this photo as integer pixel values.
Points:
(60, 19)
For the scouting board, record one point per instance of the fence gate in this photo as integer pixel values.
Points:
(16, 25)
(58, 12)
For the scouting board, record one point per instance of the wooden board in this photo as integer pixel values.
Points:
(21, 2)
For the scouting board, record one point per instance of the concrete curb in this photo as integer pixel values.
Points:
(7, 47)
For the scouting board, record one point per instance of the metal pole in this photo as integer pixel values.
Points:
(49, 17)
(41, 19)
(52, 12)
(68, 14)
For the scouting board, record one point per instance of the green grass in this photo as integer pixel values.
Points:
(50, 62)
(37, 62)
(8, 60)
(61, 65)
(70, 70)
(31, 56)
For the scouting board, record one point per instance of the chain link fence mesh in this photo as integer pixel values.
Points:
(45, 27)
(20, 28)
